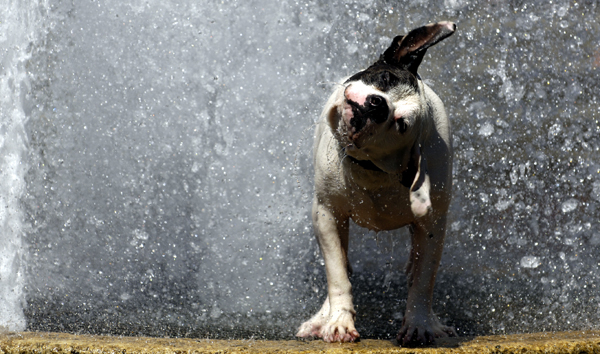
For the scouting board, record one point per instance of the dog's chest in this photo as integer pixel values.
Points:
(385, 207)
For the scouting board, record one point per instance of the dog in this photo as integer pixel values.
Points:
(383, 157)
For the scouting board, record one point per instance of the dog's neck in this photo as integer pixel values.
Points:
(366, 164)
(406, 177)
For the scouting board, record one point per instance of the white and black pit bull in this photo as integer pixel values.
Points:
(383, 157)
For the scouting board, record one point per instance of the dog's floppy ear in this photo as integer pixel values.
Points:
(420, 203)
(407, 51)
(331, 111)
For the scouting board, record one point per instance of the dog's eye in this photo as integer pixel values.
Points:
(375, 101)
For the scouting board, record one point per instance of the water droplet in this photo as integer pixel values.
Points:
(486, 129)
(569, 205)
(530, 262)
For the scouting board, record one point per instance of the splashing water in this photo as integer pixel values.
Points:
(157, 176)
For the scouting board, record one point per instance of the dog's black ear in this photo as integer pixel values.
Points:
(407, 51)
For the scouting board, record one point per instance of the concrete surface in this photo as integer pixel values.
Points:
(43, 342)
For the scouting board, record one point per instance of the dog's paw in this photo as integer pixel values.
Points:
(310, 329)
(418, 332)
(340, 328)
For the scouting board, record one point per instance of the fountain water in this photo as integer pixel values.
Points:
(18, 29)
(157, 180)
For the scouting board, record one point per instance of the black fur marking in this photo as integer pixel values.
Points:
(385, 77)
(375, 109)
(408, 176)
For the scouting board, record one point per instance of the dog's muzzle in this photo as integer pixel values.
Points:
(374, 108)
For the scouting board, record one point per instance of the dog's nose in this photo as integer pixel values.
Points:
(361, 107)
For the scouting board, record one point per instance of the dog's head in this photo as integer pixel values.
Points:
(382, 110)
(381, 106)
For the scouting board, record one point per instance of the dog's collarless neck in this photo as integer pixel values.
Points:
(406, 177)
(366, 164)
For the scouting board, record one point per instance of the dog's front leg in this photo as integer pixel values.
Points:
(420, 325)
(335, 321)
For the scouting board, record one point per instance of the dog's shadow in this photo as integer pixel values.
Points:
(449, 342)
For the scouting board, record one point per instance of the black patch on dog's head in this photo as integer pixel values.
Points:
(385, 77)
(375, 109)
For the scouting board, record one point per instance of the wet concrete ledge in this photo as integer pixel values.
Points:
(44, 342)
